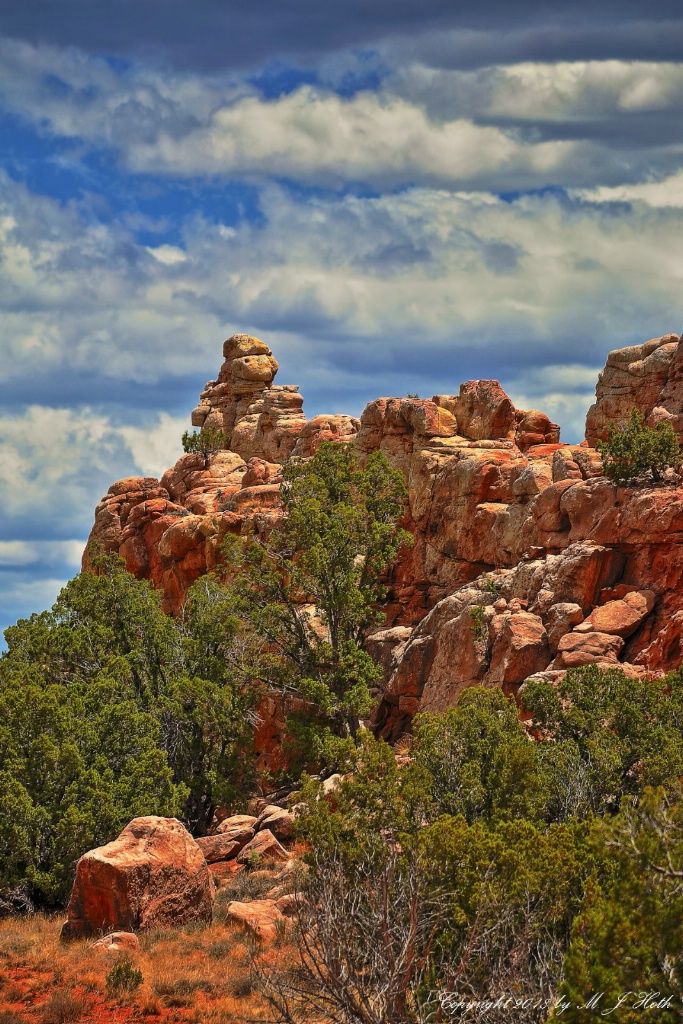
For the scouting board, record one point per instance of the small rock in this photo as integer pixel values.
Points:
(219, 847)
(265, 845)
(259, 917)
(118, 942)
(576, 649)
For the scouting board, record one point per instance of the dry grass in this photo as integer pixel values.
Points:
(194, 975)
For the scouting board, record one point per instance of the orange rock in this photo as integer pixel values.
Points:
(576, 649)
(221, 847)
(265, 845)
(153, 875)
(645, 377)
(118, 942)
(519, 650)
(238, 823)
(260, 918)
(277, 820)
(621, 617)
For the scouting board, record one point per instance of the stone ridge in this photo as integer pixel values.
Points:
(566, 568)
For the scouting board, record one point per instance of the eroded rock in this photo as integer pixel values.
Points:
(153, 876)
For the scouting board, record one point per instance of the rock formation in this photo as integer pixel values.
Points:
(646, 377)
(526, 559)
(152, 876)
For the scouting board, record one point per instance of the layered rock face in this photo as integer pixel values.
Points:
(646, 377)
(153, 875)
(525, 559)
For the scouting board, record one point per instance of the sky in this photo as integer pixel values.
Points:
(396, 196)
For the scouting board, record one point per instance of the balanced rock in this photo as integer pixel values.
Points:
(153, 875)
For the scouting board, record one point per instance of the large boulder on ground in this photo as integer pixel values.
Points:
(153, 875)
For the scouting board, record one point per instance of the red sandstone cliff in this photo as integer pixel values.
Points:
(566, 567)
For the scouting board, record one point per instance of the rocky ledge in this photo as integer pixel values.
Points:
(526, 559)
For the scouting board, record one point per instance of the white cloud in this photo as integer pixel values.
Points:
(317, 136)
(54, 466)
(17, 553)
(420, 126)
(562, 91)
(169, 255)
(156, 448)
(667, 192)
(450, 273)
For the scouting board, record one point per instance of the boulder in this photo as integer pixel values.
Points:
(154, 875)
(519, 650)
(277, 820)
(561, 618)
(576, 649)
(260, 918)
(621, 617)
(238, 825)
(221, 847)
(265, 845)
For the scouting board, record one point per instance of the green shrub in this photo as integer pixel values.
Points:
(637, 450)
(123, 978)
(207, 442)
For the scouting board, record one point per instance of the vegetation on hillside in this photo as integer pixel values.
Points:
(312, 588)
(499, 863)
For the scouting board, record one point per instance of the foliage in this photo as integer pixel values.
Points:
(479, 760)
(637, 450)
(628, 939)
(123, 978)
(109, 709)
(404, 901)
(606, 735)
(312, 588)
(545, 869)
(207, 442)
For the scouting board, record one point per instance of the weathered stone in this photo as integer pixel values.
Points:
(260, 918)
(277, 820)
(118, 942)
(577, 649)
(644, 377)
(622, 617)
(221, 847)
(519, 650)
(562, 617)
(153, 875)
(265, 845)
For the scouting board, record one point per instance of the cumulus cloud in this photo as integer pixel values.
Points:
(668, 192)
(55, 463)
(365, 285)
(503, 128)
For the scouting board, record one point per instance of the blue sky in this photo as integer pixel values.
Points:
(397, 196)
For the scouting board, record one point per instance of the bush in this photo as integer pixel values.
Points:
(637, 450)
(206, 442)
(123, 978)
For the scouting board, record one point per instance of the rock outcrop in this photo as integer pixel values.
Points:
(153, 875)
(646, 377)
(525, 559)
